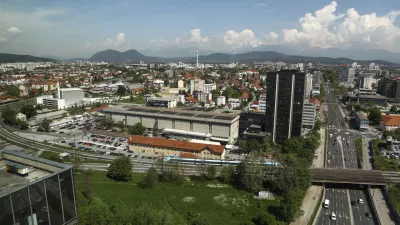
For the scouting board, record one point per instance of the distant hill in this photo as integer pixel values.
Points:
(247, 57)
(260, 56)
(116, 56)
(12, 58)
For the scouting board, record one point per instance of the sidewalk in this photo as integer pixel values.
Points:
(381, 207)
(309, 204)
(366, 163)
(320, 151)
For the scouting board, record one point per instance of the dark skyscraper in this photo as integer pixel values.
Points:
(285, 97)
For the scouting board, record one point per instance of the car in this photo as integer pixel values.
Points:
(135, 156)
(330, 135)
(333, 216)
(360, 200)
(329, 152)
(353, 203)
(329, 161)
(142, 157)
(368, 215)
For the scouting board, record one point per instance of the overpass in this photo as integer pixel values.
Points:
(354, 176)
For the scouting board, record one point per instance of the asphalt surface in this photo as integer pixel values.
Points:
(341, 153)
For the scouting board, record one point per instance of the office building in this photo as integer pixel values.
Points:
(308, 86)
(196, 85)
(309, 115)
(362, 121)
(262, 103)
(221, 100)
(346, 74)
(152, 101)
(366, 81)
(317, 77)
(71, 95)
(203, 97)
(234, 103)
(35, 191)
(207, 88)
(284, 105)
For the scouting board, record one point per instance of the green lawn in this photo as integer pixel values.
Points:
(394, 196)
(223, 205)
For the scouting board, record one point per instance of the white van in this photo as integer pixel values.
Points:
(326, 203)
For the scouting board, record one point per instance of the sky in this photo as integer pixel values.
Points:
(71, 28)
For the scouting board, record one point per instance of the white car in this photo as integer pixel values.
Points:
(330, 135)
(329, 161)
(333, 216)
(360, 201)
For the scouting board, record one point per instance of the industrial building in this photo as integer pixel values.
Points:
(153, 101)
(163, 147)
(284, 105)
(222, 126)
(35, 191)
(71, 95)
(378, 100)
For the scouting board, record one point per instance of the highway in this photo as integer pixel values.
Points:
(341, 153)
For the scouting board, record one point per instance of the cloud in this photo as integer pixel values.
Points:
(119, 40)
(272, 37)
(260, 5)
(13, 30)
(3, 39)
(326, 28)
(195, 37)
(177, 40)
(240, 39)
(42, 12)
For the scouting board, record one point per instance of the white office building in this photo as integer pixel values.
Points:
(196, 85)
(71, 95)
(366, 80)
(262, 103)
(309, 115)
(221, 100)
(203, 97)
(308, 86)
(207, 88)
(54, 103)
(234, 102)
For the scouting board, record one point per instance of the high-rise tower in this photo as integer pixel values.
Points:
(284, 104)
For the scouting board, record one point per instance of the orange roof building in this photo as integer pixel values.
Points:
(390, 122)
(156, 146)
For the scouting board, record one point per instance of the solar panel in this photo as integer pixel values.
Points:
(151, 111)
(168, 112)
(204, 116)
(185, 114)
(222, 118)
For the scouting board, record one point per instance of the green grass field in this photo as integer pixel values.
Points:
(220, 204)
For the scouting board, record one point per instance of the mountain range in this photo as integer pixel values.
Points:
(11, 58)
(258, 56)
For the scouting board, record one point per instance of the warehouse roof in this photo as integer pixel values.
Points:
(178, 145)
(168, 113)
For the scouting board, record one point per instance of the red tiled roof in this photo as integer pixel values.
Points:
(188, 155)
(390, 120)
(97, 109)
(179, 145)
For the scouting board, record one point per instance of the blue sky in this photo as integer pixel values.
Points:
(79, 28)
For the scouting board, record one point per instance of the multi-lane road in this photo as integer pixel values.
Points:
(341, 153)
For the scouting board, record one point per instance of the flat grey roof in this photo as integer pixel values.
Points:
(361, 115)
(176, 113)
(10, 182)
(370, 96)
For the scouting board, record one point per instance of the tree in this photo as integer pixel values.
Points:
(227, 92)
(357, 107)
(23, 125)
(39, 107)
(121, 91)
(290, 207)
(180, 104)
(45, 125)
(13, 90)
(375, 116)
(342, 89)
(120, 169)
(166, 83)
(235, 94)
(265, 218)
(211, 172)
(76, 162)
(393, 109)
(41, 90)
(150, 179)
(137, 129)
(216, 93)
(29, 111)
(9, 115)
(227, 174)
(251, 173)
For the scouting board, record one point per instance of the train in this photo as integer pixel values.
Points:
(209, 161)
(17, 169)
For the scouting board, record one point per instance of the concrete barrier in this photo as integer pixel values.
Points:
(372, 205)
(319, 207)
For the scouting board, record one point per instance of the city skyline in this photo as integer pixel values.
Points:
(38, 27)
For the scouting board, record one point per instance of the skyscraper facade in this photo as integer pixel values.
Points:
(284, 104)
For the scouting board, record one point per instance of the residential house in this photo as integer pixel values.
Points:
(390, 122)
